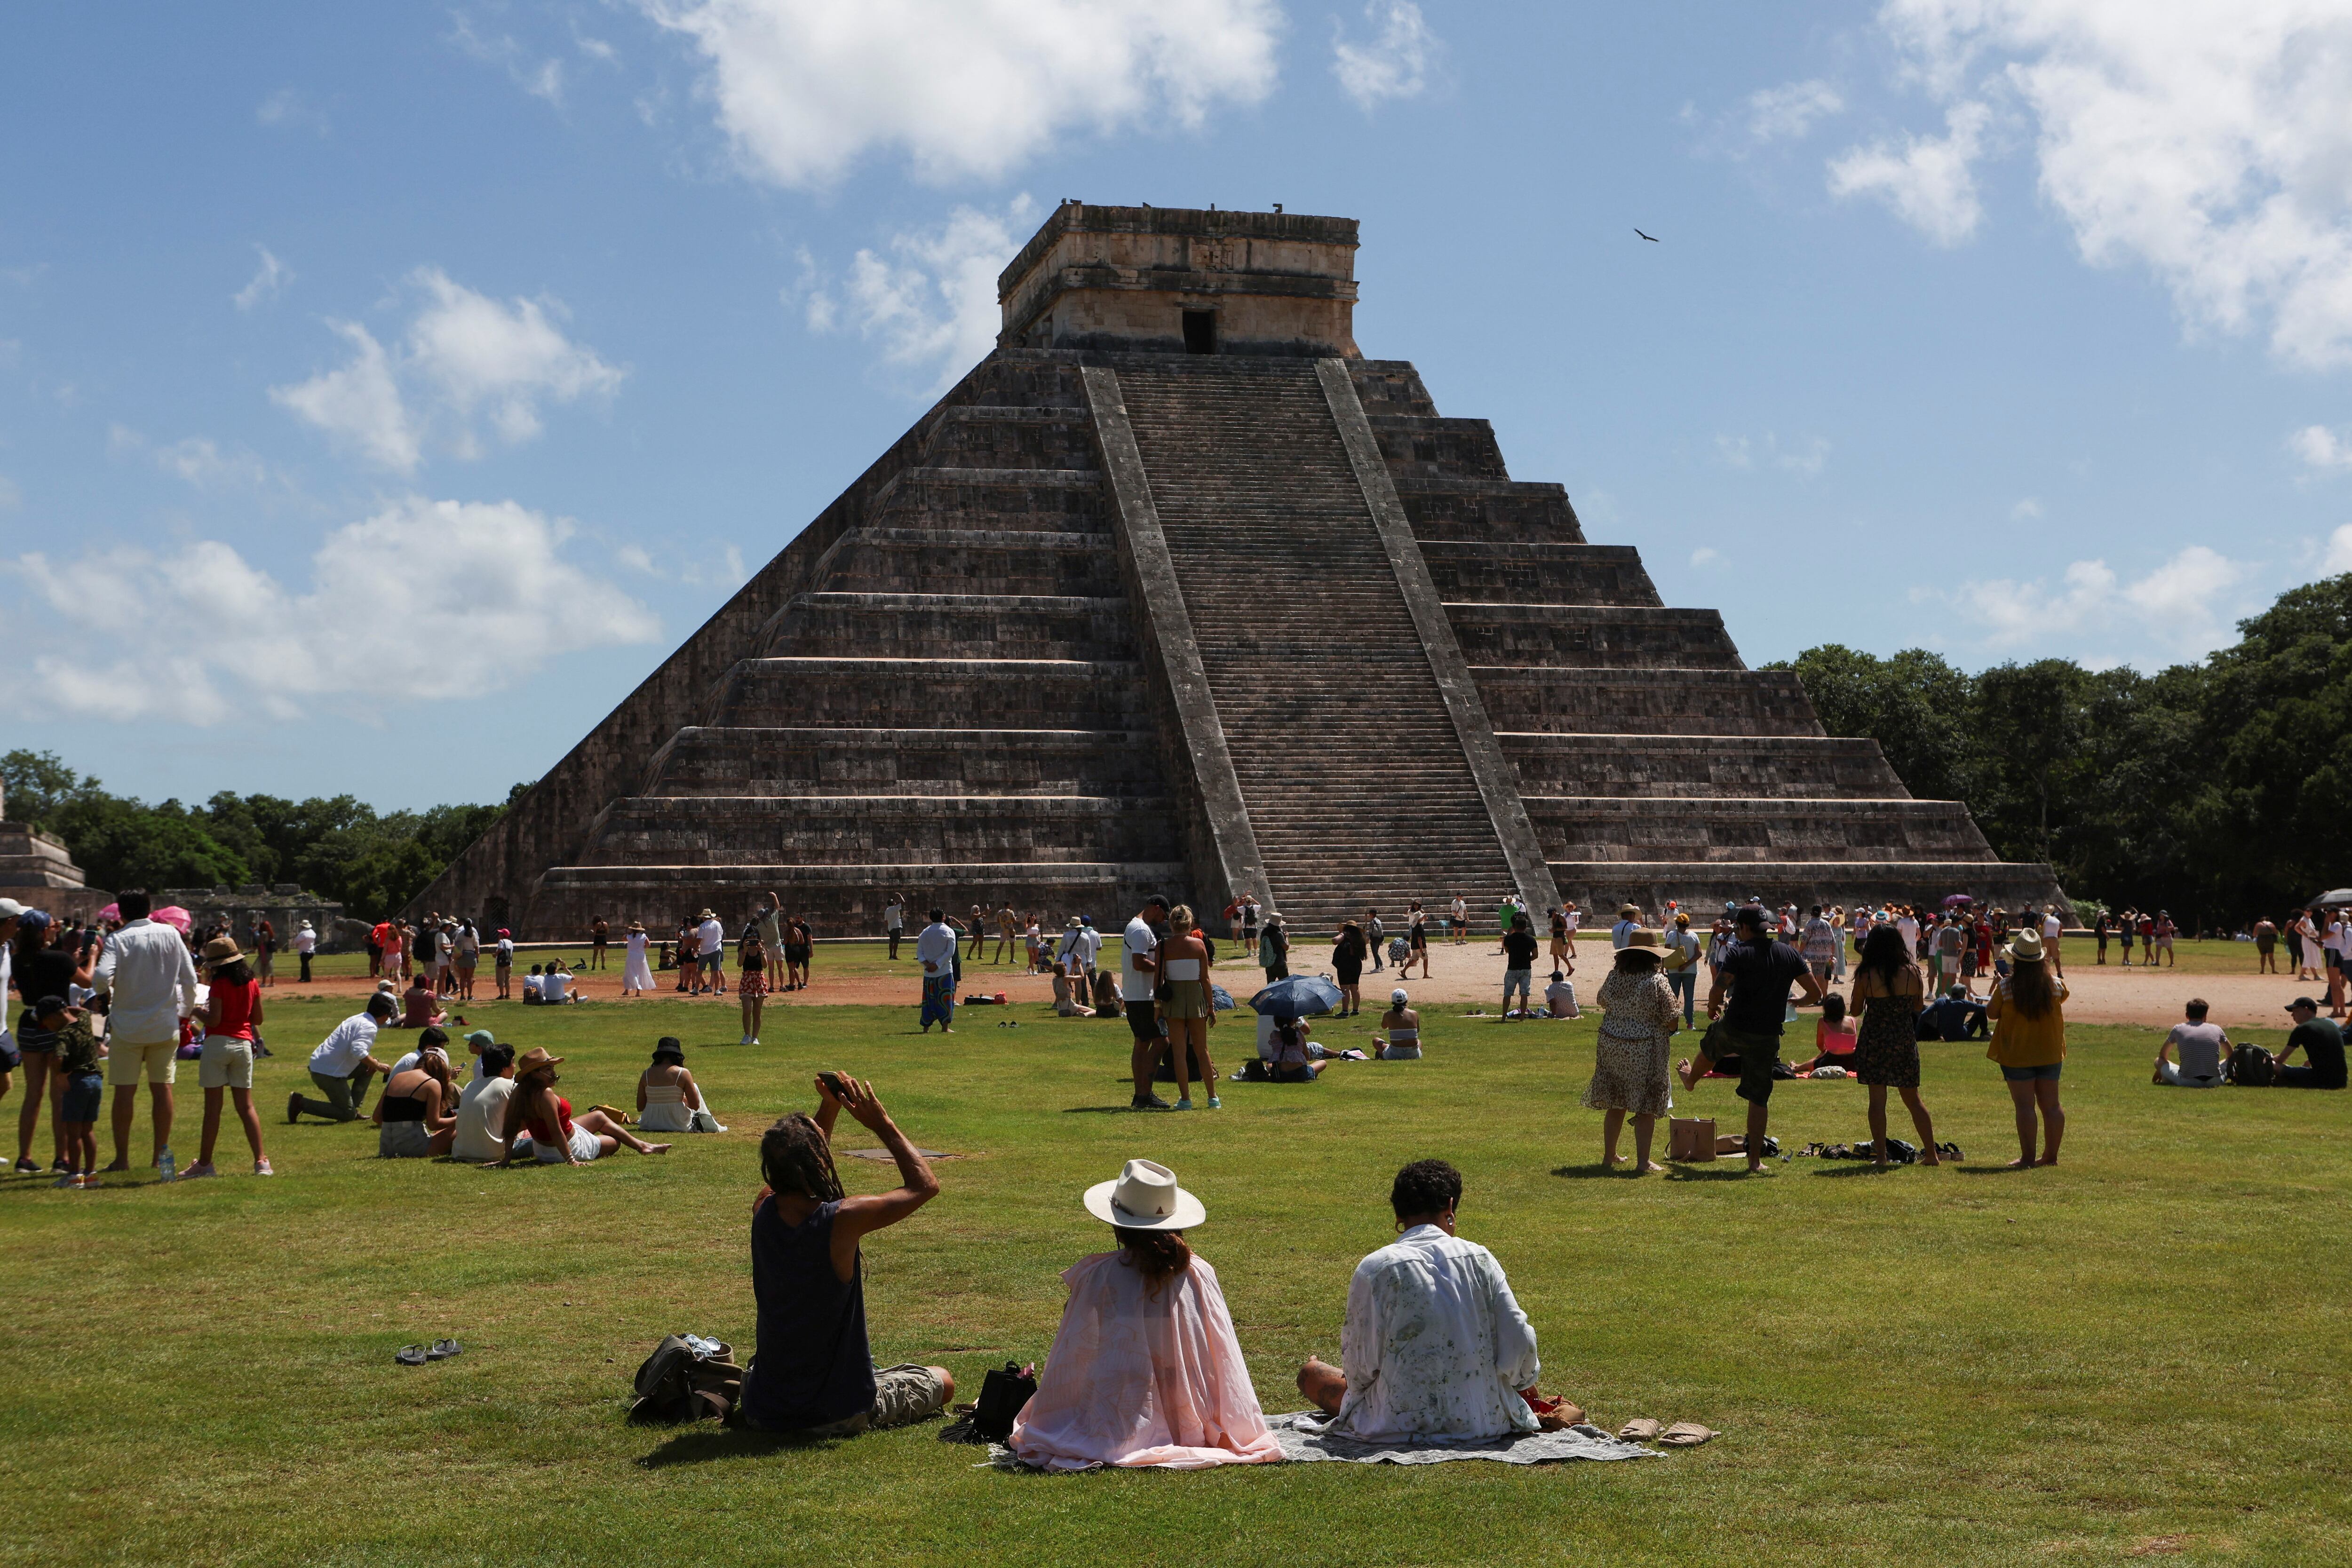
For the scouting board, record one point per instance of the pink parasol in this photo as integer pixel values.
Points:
(175, 916)
(112, 911)
(1954, 899)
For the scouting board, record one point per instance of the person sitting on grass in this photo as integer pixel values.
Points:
(534, 989)
(419, 1008)
(82, 1078)
(482, 1108)
(536, 1109)
(432, 1037)
(812, 1371)
(343, 1063)
(1145, 1369)
(1069, 994)
(2321, 1040)
(2203, 1046)
(1399, 1030)
(1559, 997)
(1834, 1036)
(1290, 1057)
(413, 1115)
(555, 986)
(1747, 1007)
(1435, 1345)
(667, 1095)
(1953, 1015)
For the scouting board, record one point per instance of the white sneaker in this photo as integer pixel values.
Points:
(755, 1039)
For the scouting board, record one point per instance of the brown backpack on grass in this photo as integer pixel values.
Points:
(679, 1383)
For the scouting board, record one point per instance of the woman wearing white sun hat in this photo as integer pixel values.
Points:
(1145, 1370)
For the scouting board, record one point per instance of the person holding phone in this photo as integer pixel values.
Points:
(812, 1371)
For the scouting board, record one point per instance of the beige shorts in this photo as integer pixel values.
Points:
(902, 1394)
(125, 1058)
(227, 1064)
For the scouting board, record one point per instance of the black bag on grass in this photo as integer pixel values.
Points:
(2251, 1067)
(1003, 1393)
(679, 1382)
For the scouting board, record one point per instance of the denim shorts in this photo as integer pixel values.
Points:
(2029, 1075)
(85, 1093)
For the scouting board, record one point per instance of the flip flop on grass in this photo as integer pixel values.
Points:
(410, 1356)
(1686, 1435)
(1640, 1429)
(443, 1349)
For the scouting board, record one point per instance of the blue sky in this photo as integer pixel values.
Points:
(384, 390)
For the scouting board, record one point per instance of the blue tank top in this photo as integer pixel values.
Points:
(812, 1365)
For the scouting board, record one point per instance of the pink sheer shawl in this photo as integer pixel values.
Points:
(1137, 1381)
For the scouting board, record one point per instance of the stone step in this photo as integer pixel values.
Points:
(1390, 387)
(1487, 511)
(1697, 767)
(993, 436)
(1591, 636)
(984, 625)
(1486, 573)
(846, 900)
(1646, 702)
(1704, 885)
(1438, 447)
(950, 693)
(857, 829)
(949, 561)
(986, 499)
(713, 759)
(1593, 829)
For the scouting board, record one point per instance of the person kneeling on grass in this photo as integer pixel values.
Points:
(343, 1063)
(535, 1108)
(1145, 1369)
(812, 1371)
(1435, 1345)
(2203, 1046)
(413, 1115)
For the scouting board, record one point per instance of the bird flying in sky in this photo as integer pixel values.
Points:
(1652, 239)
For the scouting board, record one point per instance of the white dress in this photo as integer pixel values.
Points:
(666, 1110)
(636, 972)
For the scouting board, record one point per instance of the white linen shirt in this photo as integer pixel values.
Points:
(1434, 1343)
(147, 970)
(1135, 985)
(341, 1053)
(936, 947)
(710, 936)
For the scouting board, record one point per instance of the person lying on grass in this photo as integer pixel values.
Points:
(1145, 1369)
(1435, 1345)
(536, 1109)
(812, 1371)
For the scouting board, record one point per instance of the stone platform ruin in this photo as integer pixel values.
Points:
(1177, 591)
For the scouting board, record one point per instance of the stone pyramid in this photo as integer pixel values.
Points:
(1177, 592)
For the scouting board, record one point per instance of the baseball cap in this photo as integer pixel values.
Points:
(10, 909)
(2303, 1002)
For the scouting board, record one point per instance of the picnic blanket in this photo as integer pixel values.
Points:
(1303, 1438)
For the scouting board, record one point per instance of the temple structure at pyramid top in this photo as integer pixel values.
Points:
(1176, 592)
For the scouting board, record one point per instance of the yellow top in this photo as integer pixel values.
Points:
(2021, 1041)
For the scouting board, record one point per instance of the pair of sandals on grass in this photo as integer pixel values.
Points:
(418, 1354)
(1681, 1435)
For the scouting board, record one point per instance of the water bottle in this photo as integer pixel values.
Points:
(166, 1167)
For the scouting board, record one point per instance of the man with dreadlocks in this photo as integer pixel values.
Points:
(814, 1372)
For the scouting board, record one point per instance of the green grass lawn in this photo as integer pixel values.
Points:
(1954, 1366)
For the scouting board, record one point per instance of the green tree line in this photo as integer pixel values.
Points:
(2218, 790)
(370, 861)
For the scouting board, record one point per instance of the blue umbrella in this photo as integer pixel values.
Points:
(1297, 997)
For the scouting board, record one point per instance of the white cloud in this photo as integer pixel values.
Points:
(1396, 62)
(542, 79)
(390, 598)
(2338, 558)
(2204, 140)
(287, 110)
(1706, 555)
(1807, 457)
(2321, 447)
(360, 403)
(2026, 509)
(273, 275)
(203, 463)
(805, 87)
(1787, 113)
(2187, 606)
(1929, 180)
(928, 299)
(465, 356)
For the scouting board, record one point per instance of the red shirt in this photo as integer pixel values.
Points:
(542, 1133)
(237, 1005)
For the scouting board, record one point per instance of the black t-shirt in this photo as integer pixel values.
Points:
(45, 974)
(1521, 947)
(2323, 1047)
(1759, 975)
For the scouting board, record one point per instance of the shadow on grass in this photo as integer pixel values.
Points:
(1587, 1172)
(1851, 1168)
(1738, 1171)
(1110, 1110)
(701, 1444)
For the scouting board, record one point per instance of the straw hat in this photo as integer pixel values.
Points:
(2025, 947)
(1627, 911)
(533, 1060)
(1145, 1197)
(221, 950)
(706, 915)
(1645, 940)
(637, 926)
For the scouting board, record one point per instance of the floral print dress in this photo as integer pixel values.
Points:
(1629, 1066)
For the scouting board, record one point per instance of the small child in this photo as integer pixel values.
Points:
(1834, 1036)
(1559, 997)
(79, 1054)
